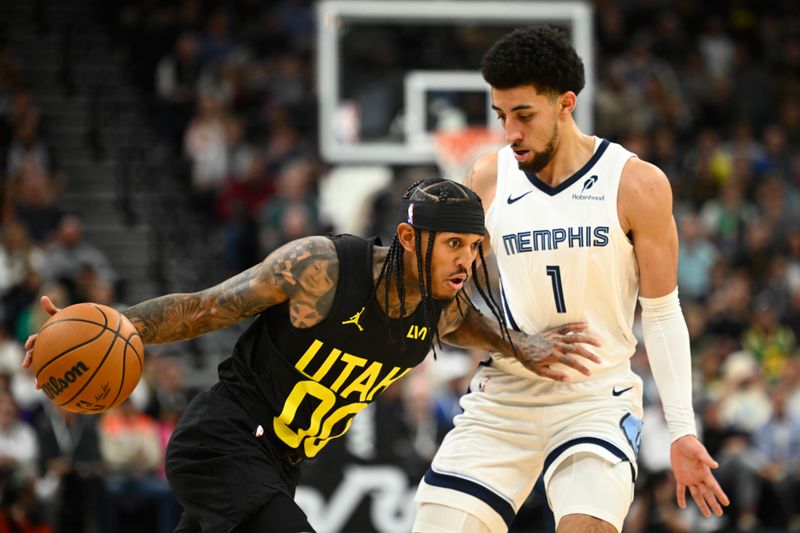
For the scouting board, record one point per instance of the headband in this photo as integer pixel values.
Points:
(442, 216)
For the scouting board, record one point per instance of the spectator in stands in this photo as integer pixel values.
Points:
(18, 255)
(18, 448)
(21, 107)
(15, 301)
(168, 397)
(770, 342)
(654, 509)
(616, 101)
(70, 467)
(238, 207)
(777, 157)
(132, 453)
(246, 193)
(744, 402)
(217, 43)
(779, 441)
(792, 254)
(739, 466)
(793, 312)
(727, 216)
(169, 394)
(206, 147)
(451, 376)
(791, 382)
(176, 79)
(240, 152)
(696, 258)
(756, 254)
(15, 380)
(27, 142)
(34, 201)
(295, 188)
(31, 317)
(284, 144)
(729, 306)
(69, 254)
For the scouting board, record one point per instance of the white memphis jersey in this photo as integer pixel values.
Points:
(563, 257)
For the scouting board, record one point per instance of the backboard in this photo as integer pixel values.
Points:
(390, 73)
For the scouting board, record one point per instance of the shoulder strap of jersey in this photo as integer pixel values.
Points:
(355, 269)
(504, 157)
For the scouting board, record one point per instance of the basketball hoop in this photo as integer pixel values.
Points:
(457, 150)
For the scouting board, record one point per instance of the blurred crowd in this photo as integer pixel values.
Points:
(710, 92)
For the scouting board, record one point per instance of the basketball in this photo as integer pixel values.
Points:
(88, 358)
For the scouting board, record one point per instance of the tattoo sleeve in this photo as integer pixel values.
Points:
(302, 271)
(472, 331)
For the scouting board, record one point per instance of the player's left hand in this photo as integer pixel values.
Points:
(692, 466)
(561, 344)
(50, 307)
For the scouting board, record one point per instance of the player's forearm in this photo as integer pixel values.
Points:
(666, 338)
(178, 317)
(478, 331)
(172, 318)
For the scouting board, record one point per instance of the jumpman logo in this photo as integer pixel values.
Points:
(354, 320)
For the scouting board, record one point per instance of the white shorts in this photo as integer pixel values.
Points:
(513, 429)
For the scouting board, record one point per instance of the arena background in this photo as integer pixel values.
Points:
(151, 146)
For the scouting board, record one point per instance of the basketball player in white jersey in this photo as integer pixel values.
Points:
(581, 228)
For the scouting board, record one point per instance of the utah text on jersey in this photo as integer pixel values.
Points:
(342, 384)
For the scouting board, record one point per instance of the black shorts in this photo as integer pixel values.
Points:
(220, 472)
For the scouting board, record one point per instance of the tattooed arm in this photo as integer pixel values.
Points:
(535, 352)
(303, 271)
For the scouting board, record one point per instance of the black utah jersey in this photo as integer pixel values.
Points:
(305, 385)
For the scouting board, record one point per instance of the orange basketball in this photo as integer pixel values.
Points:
(88, 358)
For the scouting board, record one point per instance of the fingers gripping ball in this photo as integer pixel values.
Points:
(88, 358)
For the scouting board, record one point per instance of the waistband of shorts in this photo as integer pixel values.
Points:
(290, 456)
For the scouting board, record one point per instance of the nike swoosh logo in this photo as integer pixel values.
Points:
(520, 197)
(616, 392)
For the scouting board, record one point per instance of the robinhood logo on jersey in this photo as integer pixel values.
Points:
(588, 184)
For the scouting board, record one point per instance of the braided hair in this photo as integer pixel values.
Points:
(433, 194)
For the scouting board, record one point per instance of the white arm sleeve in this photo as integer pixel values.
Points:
(666, 339)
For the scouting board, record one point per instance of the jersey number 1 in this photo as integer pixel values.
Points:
(554, 272)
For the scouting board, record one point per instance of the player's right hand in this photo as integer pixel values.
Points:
(561, 344)
(49, 306)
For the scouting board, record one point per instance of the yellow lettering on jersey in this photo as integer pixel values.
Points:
(326, 366)
(281, 422)
(390, 378)
(311, 352)
(351, 362)
(302, 363)
(416, 332)
(312, 445)
(364, 382)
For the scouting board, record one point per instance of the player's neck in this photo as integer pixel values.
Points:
(573, 151)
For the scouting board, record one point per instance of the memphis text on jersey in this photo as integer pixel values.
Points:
(551, 239)
(338, 386)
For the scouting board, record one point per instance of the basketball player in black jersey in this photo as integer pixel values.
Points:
(338, 320)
